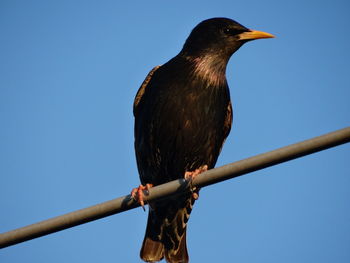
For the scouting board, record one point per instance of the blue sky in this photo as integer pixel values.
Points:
(69, 71)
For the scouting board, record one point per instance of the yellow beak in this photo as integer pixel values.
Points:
(254, 34)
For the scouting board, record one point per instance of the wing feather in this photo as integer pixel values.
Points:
(142, 89)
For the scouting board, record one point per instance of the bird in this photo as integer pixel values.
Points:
(183, 114)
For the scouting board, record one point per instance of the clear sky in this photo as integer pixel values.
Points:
(69, 71)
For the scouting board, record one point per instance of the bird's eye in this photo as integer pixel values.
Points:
(233, 31)
(228, 31)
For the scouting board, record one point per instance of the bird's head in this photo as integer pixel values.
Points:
(219, 36)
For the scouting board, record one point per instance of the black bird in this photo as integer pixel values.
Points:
(183, 115)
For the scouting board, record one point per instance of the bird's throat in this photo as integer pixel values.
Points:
(211, 68)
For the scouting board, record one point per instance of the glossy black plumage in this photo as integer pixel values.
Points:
(183, 115)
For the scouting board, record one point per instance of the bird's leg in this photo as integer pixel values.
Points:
(189, 177)
(138, 194)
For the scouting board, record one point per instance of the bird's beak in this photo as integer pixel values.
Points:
(254, 34)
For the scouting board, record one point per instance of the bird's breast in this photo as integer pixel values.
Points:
(180, 126)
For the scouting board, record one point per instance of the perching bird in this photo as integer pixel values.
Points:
(183, 115)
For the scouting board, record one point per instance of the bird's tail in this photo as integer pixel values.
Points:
(152, 250)
(179, 255)
(166, 232)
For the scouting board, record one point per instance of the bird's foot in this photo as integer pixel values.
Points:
(138, 194)
(189, 177)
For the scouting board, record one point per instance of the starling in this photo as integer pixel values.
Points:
(183, 115)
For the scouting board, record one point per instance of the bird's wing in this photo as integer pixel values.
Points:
(228, 120)
(227, 123)
(142, 89)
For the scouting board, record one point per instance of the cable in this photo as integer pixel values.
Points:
(209, 177)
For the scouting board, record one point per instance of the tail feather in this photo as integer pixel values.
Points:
(166, 232)
(152, 251)
(180, 255)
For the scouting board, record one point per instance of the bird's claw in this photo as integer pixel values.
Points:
(189, 176)
(138, 194)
